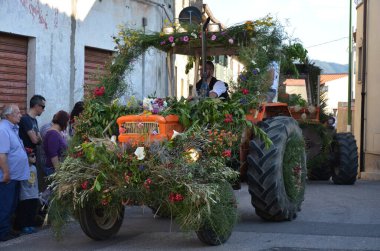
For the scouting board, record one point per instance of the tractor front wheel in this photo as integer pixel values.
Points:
(98, 224)
(276, 174)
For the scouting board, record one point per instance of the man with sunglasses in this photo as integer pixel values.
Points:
(29, 132)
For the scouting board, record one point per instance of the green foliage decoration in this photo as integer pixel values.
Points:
(100, 172)
(292, 169)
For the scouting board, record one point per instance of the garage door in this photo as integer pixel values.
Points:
(94, 64)
(13, 70)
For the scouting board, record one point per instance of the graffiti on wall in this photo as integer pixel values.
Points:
(40, 14)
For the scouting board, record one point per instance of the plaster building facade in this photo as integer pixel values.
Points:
(367, 102)
(53, 48)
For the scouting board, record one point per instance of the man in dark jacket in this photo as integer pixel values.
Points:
(215, 88)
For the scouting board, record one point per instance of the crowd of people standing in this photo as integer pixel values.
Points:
(23, 145)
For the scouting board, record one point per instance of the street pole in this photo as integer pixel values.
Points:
(349, 113)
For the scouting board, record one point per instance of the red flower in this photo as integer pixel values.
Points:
(84, 185)
(147, 183)
(99, 91)
(105, 202)
(127, 176)
(226, 153)
(228, 118)
(245, 91)
(175, 197)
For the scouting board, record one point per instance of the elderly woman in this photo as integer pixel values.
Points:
(54, 143)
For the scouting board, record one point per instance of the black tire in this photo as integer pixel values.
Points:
(227, 209)
(266, 177)
(317, 151)
(345, 164)
(98, 226)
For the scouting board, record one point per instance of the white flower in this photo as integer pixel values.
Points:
(231, 41)
(140, 153)
(194, 35)
(304, 116)
(253, 62)
(175, 134)
(173, 44)
(265, 48)
(311, 109)
(113, 139)
(147, 104)
(297, 108)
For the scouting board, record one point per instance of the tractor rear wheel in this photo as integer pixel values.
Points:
(345, 164)
(99, 225)
(276, 175)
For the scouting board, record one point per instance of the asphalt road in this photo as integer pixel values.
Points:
(332, 218)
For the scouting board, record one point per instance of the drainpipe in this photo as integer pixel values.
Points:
(144, 24)
(349, 112)
(363, 93)
(72, 51)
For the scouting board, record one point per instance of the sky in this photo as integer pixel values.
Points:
(316, 23)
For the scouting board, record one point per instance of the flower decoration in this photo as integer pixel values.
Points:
(147, 183)
(311, 109)
(213, 37)
(84, 185)
(155, 105)
(228, 118)
(185, 39)
(175, 197)
(226, 153)
(171, 39)
(175, 134)
(140, 153)
(99, 91)
(245, 91)
(230, 41)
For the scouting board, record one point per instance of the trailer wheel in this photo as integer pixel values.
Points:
(276, 175)
(345, 164)
(97, 225)
(224, 212)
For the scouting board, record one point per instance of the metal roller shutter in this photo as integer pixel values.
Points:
(13, 70)
(94, 63)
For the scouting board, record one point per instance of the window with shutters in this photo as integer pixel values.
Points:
(94, 64)
(13, 70)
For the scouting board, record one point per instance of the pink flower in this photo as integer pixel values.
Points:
(226, 153)
(140, 125)
(147, 183)
(231, 41)
(185, 39)
(171, 39)
(99, 91)
(163, 43)
(175, 197)
(122, 130)
(84, 185)
(213, 37)
(228, 118)
(245, 91)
